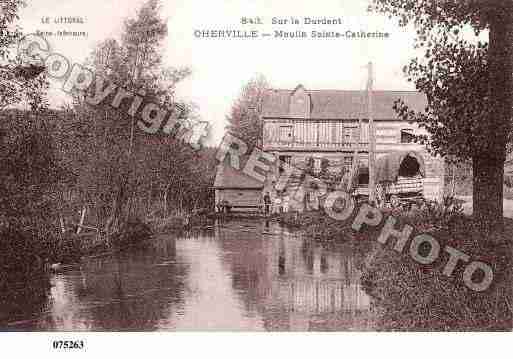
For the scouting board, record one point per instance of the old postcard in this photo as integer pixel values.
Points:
(228, 166)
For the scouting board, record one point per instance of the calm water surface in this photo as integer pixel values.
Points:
(241, 275)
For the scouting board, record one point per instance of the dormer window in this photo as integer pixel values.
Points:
(299, 103)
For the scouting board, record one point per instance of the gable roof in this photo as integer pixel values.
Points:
(227, 177)
(341, 104)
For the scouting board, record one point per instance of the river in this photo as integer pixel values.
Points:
(241, 275)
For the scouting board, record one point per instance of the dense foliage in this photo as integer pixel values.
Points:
(244, 118)
(90, 165)
(468, 84)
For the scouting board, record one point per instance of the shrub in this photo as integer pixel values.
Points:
(433, 215)
(67, 249)
(133, 234)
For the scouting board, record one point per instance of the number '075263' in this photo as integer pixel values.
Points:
(68, 344)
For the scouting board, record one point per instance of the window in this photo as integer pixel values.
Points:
(347, 135)
(348, 163)
(286, 159)
(285, 133)
(351, 134)
(407, 136)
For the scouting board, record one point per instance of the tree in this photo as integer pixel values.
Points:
(122, 172)
(31, 170)
(469, 87)
(9, 35)
(244, 118)
(9, 31)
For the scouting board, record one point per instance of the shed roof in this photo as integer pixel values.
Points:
(227, 177)
(341, 104)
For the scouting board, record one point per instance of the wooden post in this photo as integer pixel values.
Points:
(356, 157)
(372, 137)
(453, 179)
(61, 221)
(82, 218)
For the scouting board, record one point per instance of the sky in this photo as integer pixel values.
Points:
(220, 67)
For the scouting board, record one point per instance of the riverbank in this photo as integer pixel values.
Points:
(425, 299)
(318, 226)
(410, 296)
(181, 223)
(138, 236)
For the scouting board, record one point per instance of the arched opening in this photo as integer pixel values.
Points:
(409, 167)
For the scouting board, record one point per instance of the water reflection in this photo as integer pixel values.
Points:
(294, 284)
(22, 298)
(244, 275)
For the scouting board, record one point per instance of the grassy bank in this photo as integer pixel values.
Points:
(411, 296)
(24, 253)
(134, 235)
(319, 226)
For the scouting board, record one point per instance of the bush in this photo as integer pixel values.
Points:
(133, 234)
(319, 226)
(67, 249)
(433, 215)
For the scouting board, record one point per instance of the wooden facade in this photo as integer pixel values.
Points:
(299, 125)
(240, 199)
(333, 125)
(311, 135)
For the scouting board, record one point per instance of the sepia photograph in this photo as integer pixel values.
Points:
(234, 166)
